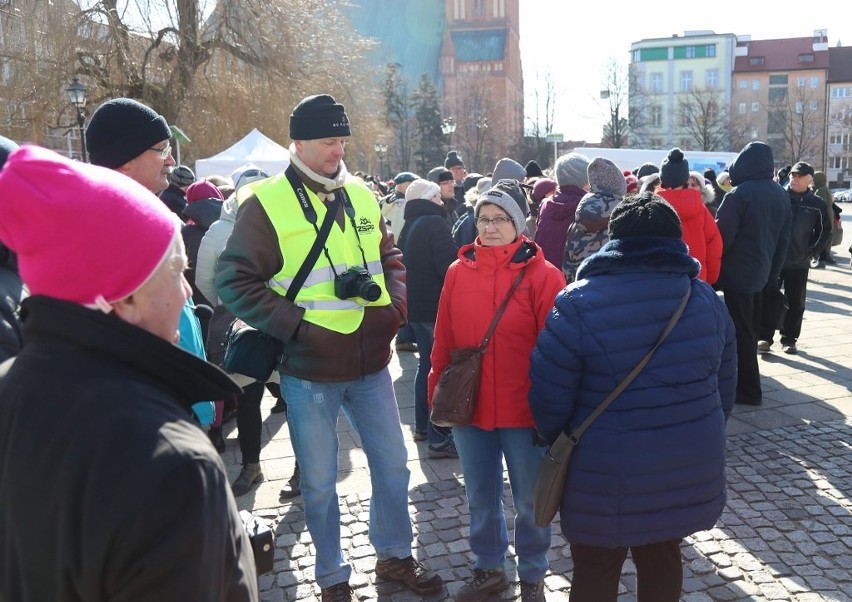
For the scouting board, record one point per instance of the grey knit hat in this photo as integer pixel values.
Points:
(604, 176)
(507, 195)
(508, 169)
(182, 176)
(571, 169)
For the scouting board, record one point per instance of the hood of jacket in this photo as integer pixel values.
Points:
(686, 201)
(820, 179)
(754, 162)
(229, 209)
(417, 207)
(562, 205)
(518, 253)
(640, 254)
(204, 212)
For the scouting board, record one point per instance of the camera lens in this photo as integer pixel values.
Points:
(369, 290)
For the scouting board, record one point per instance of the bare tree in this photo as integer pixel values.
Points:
(796, 122)
(541, 121)
(705, 117)
(615, 92)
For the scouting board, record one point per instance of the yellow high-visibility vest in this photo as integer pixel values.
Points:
(296, 236)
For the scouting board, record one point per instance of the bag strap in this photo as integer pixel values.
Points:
(578, 432)
(500, 310)
(322, 232)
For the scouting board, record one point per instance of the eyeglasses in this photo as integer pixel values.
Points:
(163, 152)
(498, 221)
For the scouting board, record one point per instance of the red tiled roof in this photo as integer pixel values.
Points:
(781, 55)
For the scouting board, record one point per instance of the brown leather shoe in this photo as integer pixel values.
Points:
(340, 592)
(412, 573)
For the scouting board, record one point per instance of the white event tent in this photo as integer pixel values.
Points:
(255, 148)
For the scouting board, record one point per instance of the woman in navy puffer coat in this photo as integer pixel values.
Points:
(651, 469)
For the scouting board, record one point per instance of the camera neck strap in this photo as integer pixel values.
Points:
(322, 232)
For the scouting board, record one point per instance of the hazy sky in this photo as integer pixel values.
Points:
(574, 42)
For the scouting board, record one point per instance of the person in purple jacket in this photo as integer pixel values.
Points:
(557, 212)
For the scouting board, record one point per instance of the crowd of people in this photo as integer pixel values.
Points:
(114, 297)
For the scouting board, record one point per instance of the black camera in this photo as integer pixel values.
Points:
(356, 282)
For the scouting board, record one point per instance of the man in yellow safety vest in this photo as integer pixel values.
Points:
(311, 263)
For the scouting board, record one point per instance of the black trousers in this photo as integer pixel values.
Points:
(659, 572)
(745, 310)
(794, 281)
(249, 422)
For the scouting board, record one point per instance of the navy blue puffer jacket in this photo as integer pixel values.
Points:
(652, 466)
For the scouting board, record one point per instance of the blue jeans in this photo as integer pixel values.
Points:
(424, 336)
(370, 405)
(481, 453)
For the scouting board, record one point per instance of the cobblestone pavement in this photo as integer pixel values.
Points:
(786, 534)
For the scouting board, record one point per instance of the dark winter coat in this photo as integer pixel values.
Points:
(175, 200)
(427, 251)
(754, 220)
(555, 216)
(652, 466)
(810, 231)
(108, 491)
(12, 292)
(203, 214)
(464, 230)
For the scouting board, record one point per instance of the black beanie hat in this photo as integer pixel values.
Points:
(121, 129)
(674, 172)
(646, 169)
(644, 215)
(534, 169)
(453, 160)
(319, 116)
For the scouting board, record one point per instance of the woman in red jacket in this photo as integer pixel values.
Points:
(700, 232)
(502, 426)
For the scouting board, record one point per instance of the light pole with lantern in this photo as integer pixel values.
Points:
(77, 95)
(381, 149)
(448, 126)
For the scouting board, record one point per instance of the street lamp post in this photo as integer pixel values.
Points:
(77, 95)
(448, 126)
(481, 126)
(381, 149)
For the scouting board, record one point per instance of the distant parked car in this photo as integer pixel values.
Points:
(843, 196)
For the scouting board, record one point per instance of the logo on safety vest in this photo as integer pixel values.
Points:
(365, 226)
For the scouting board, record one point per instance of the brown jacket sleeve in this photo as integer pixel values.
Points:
(251, 257)
(394, 273)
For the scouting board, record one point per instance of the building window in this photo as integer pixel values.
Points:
(5, 71)
(755, 60)
(712, 79)
(458, 9)
(813, 105)
(637, 56)
(656, 142)
(800, 82)
(743, 108)
(755, 107)
(754, 134)
(806, 58)
(710, 50)
(778, 80)
(685, 143)
(800, 107)
(685, 81)
(656, 82)
(743, 84)
(690, 52)
(777, 94)
(656, 116)
(814, 82)
(755, 84)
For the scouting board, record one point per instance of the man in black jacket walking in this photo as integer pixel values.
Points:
(809, 233)
(754, 220)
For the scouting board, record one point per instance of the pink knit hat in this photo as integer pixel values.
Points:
(83, 233)
(201, 190)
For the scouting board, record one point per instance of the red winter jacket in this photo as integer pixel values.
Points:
(474, 288)
(700, 232)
